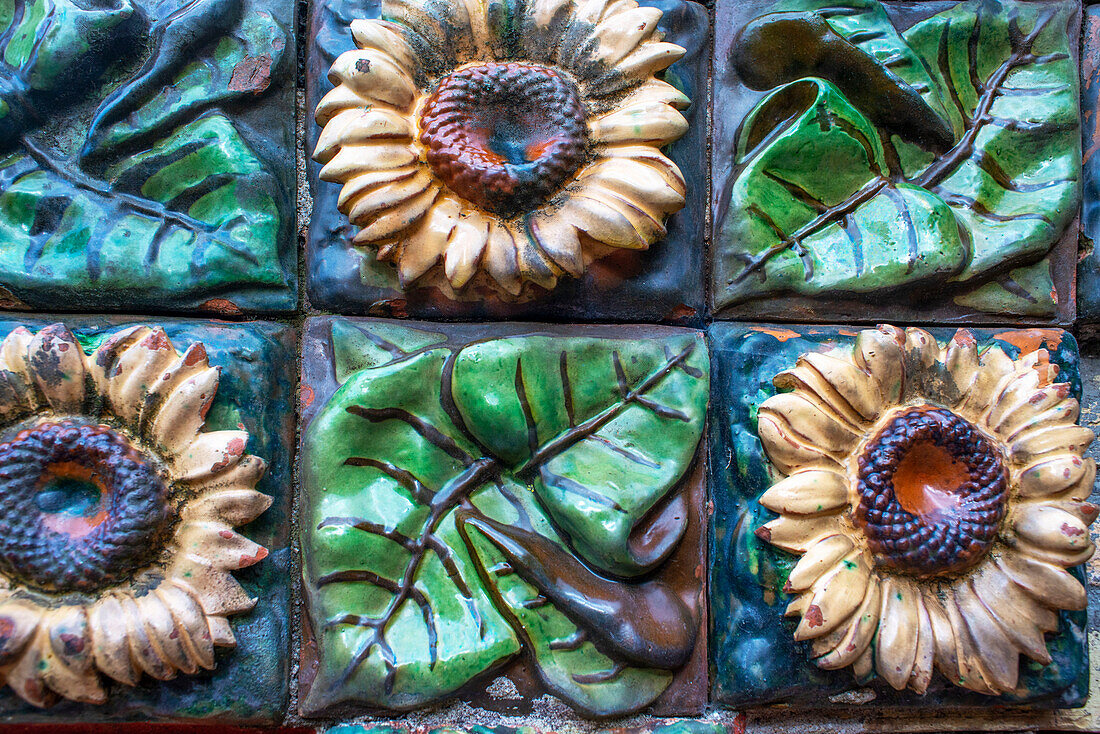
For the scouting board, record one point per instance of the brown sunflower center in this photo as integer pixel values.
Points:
(932, 492)
(80, 508)
(504, 136)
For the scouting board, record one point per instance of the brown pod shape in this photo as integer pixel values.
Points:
(647, 624)
(783, 47)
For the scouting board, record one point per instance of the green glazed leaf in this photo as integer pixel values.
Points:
(196, 209)
(834, 196)
(425, 447)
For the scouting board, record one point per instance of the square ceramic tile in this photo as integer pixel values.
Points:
(148, 155)
(491, 513)
(144, 463)
(892, 493)
(558, 246)
(896, 161)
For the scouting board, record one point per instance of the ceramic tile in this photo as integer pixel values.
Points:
(516, 502)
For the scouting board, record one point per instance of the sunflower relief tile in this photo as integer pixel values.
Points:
(516, 502)
(146, 152)
(913, 161)
(140, 545)
(506, 160)
(902, 510)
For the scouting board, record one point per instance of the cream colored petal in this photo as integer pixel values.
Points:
(233, 506)
(465, 248)
(923, 666)
(784, 449)
(68, 662)
(57, 363)
(812, 492)
(855, 639)
(500, 259)
(363, 183)
(143, 648)
(557, 237)
(808, 423)
(655, 123)
(863, 667)
(649, 156)
(536, 265)
(1012, 393)
(25, 677)
(1036, 404)
(338, 100)
(1068, 475)
(648, 227)
(961, 360)
(854, 387)
(796, 534)
(137, 371)
(821, 557)
(245, 475)
(878, 352)
(921, 349)
(1052, 528)
(193, 362)
(656, 90)
(375, 156)
(163, 634)
(221, 632)
(997, 655)
(995, 366)
(1035, 444)
(390, 195)
(15, 352)
(946, 647)
(180, 418)
(399, 218)
(1045, 583)
(17, 393)
(647, 60)
(190, 623)
(640, 183)
(424, 247)
(351, 135)
(218, 545)
(1013, 611)
(376, 77)
(835, 596)
(217, 591)
(384, 36)
(896, 642)
(603, 222)
(110, 646)
(18, 622)
(211, 453)
(622, 33)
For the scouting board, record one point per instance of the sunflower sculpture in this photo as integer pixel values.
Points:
(486, 145)
(116, 514)
(935, 495)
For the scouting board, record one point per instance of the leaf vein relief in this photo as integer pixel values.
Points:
(524, 493)
(883, 162)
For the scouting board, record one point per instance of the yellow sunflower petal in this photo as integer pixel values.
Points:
(163, 634)
(649, 156)
(557, 237)
(1035, 444)
(809, 423)
(57, 363)
(384, 36)
(1052, 528)
(210, 454)
(961, 360)
(338, 100)
(109, 641)
(363, 183)
(818, 559)
(863, 667)
(946, 649)
(1046, 583)
(994, 368)
(921, 349)
(835, 596)
(813, 492)
(618, 35)
(1023, 619)
(424, 247)
(923, 665)
(376, 77)
(856, 638)
(849, 388)
(1030, 404)
(25, 677)
(400, 217)
(878, 353)
(786, 451)
(218, 545)
(465, 248)
(602, 221)
(190, 623)
(216, 590)
(656, 90)
(1068, 475)
(388, 196)
(500, 259)
(648, 59)
(639, 183)
(896, 642)
(350, 136)
(655, 123)
(797, 534)
(997, 655)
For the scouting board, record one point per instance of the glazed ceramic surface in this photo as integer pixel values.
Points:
(147, 155)
(604, 227)
(479, 496)
(164, 594)
(917, 160)
(898, 555)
